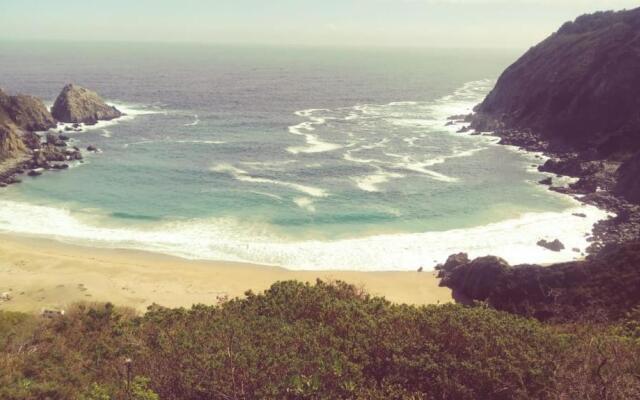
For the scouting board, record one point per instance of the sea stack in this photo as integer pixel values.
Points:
(76, 104)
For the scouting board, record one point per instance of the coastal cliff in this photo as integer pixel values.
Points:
(573, 97)
(577, 89)
(21, 116)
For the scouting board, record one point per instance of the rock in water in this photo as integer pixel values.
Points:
(556, 245)
(79, 105)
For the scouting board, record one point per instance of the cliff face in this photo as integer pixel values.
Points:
(79, 105)
(11, 144)
(578, 89)
(27, 112)
(628, 185)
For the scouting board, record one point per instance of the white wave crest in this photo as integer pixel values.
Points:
(227, 239)
(243, 176)
(195, 122)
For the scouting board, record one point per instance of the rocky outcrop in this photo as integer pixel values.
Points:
(576, 90)
(628, 185)
(602, 287)
(471, 280)
(79, 105)
(23, 150)
(11, 144)
(26, 112)
(555, 245)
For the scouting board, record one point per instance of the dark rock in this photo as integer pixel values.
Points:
(34, 172)
(79, 105)
(576, 89)
(471, 280)
(546, 181)
(556, 245)
(603, 287)
(581, 215)
(628, 185)
(92, 148)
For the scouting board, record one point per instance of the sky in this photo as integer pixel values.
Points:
(401, 23)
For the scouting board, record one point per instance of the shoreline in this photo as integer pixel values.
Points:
(46, 274)
(593, 179)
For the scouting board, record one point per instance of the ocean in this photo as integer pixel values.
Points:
(306, 158)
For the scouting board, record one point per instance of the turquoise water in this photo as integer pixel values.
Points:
(293, 157)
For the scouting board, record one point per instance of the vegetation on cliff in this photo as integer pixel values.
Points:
(578, 88)
(322, 341)
(601, 288)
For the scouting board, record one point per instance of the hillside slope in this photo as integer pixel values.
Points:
(578, 89)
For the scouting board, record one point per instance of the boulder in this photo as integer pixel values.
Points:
(472, 280)
(546, 181)
(555, 245)
(76, 104)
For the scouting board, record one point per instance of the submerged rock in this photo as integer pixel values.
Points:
(76, 104)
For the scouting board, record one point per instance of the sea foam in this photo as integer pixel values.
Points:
(228, 239)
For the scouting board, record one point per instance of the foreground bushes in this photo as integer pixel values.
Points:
(324, 341)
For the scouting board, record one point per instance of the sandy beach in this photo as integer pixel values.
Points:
(39, 273)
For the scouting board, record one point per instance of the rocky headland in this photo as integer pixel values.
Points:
(29, 142)
(574, 97)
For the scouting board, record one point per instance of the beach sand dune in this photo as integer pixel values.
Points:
(39, 274)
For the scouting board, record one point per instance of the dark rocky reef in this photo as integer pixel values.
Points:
(80, 105)
(576, 90)
(606, 286)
